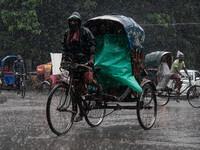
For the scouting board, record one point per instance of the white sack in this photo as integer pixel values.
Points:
(56, 60)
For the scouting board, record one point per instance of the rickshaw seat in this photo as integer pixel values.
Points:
(9, 78)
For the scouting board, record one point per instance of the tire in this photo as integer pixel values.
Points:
(46, 88)
(193, 96)
(147, 107)
(96, 107)
(163, 97)
(60, 109)
(22, 90)
(36, 88)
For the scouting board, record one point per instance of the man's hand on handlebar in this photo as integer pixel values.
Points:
(182, 76)
(90, 62)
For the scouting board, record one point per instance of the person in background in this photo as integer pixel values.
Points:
(18, 68)
(177, 65)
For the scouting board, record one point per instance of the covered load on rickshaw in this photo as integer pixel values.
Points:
(120, 50)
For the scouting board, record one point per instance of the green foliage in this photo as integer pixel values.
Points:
(89, 4)
(34, 28)
(18, 15)
(161, 18)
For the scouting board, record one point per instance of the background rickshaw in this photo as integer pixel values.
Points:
(7, 79)
(43, 80)
(152, 62)
(163, 85)
(119, 55)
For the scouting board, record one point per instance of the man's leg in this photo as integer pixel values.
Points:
(89, 80)
(178, 81)
(17, 79)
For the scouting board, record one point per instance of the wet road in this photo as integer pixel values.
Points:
(23, 126)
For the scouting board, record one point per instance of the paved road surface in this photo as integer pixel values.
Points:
(23, 126)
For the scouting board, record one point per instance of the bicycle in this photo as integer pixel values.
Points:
(193, 94)
(65, 99)
(21, 88)
(68, 99)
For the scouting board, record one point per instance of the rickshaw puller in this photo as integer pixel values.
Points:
(18, 68)
(80, 42)
(177, 65)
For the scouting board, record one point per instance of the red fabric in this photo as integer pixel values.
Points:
(74, 38)
(178, 81)
(89, 78)
(55, 78)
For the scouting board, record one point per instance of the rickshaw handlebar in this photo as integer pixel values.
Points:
(20, 74)
(69, 65)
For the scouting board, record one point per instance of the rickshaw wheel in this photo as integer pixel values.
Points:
(46, 87)
(60, 109)
(147, 107)
(36, 87)
(163, 97)
(193, 96)
(96, 107)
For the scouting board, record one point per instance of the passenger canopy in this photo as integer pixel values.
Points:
(118, 24)
(116, 36)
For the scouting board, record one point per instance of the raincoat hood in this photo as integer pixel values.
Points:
(75, 15)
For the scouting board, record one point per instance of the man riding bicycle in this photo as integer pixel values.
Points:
(18, 68)
(177, 65)
(80, 42)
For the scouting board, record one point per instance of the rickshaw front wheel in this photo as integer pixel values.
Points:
(22, 90)
(46, 87)
(60, 109)
(147, 107)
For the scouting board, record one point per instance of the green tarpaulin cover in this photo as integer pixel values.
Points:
(112, 55)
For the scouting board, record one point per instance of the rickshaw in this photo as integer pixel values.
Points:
(7, 78)
(163, 84)
(43, 80)
(152, 62)
(118, 68)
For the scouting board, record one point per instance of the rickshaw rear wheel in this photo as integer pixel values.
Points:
(193, 96)
(147, 107)
(61, 109)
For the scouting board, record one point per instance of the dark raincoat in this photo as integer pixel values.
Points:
(84, 48)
